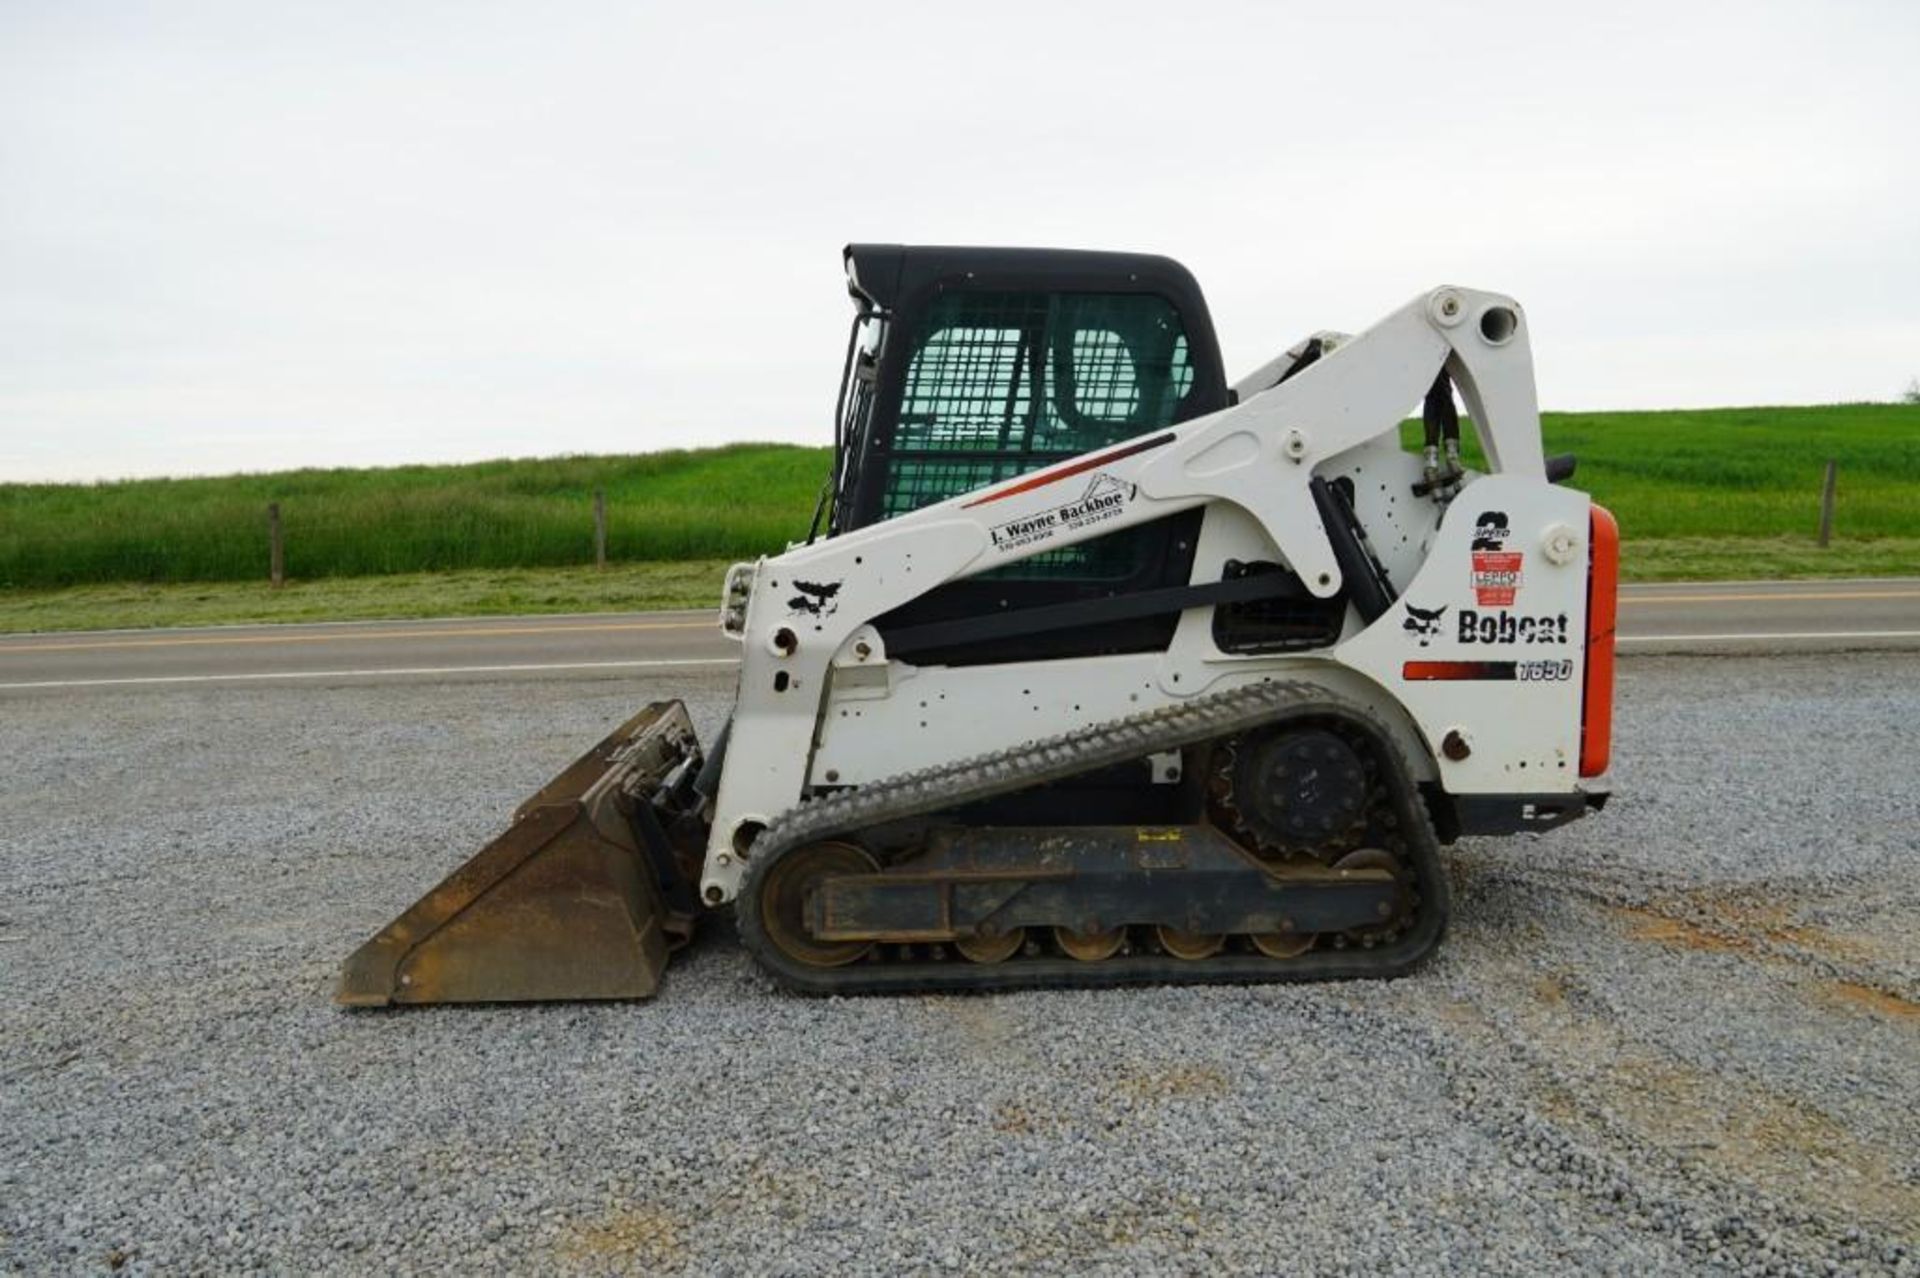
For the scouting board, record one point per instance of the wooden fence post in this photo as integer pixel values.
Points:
(276, 547)
(600, 530)
(1826, 503)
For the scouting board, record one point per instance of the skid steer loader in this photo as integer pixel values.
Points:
(1094, 669)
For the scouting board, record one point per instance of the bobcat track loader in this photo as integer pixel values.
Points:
(1094, 670)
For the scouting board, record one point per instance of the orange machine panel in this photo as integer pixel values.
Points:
(1603, 598)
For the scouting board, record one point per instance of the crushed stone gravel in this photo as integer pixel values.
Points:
(1683, 1035)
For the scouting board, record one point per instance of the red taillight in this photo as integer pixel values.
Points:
(1603, 598)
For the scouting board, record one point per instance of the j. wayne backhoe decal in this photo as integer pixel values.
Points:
(1104, 498)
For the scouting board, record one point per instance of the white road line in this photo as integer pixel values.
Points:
(1777, 636)
(531, 667)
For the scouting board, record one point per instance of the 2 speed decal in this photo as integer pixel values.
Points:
(1496, 570)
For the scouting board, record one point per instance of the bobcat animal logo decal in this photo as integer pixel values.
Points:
(1423, 622)
(816, 599)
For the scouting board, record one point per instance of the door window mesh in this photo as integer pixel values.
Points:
(1004, 383)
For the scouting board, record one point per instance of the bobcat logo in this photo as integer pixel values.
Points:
(1423, 622)
(815, 599)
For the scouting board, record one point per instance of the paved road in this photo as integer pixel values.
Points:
(1745, 616)
(1732, 617)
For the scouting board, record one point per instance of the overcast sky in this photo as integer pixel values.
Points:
(242, 236)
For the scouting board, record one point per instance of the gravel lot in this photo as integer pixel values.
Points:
(1678, 1036)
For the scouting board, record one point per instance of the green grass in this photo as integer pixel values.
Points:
(693, 583)
(1743, 558)
(739, 501)
(1744, 472)
(1710, 493)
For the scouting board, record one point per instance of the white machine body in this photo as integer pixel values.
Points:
(1492, 577)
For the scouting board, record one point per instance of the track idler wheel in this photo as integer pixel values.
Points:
(787, 890)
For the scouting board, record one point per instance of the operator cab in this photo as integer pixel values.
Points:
(969, 366)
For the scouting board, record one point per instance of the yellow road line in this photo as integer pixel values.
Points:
(1770, 598)
(345, 636)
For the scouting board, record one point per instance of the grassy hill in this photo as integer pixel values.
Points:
(741, 500)
(1745, 472)
(1713, 480)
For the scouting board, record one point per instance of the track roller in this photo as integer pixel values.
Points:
(1090, 947)
(1192, 946)
(992, 949)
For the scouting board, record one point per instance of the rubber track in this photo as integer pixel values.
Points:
(846, 812)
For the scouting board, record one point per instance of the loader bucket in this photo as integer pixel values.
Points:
(581, 898)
